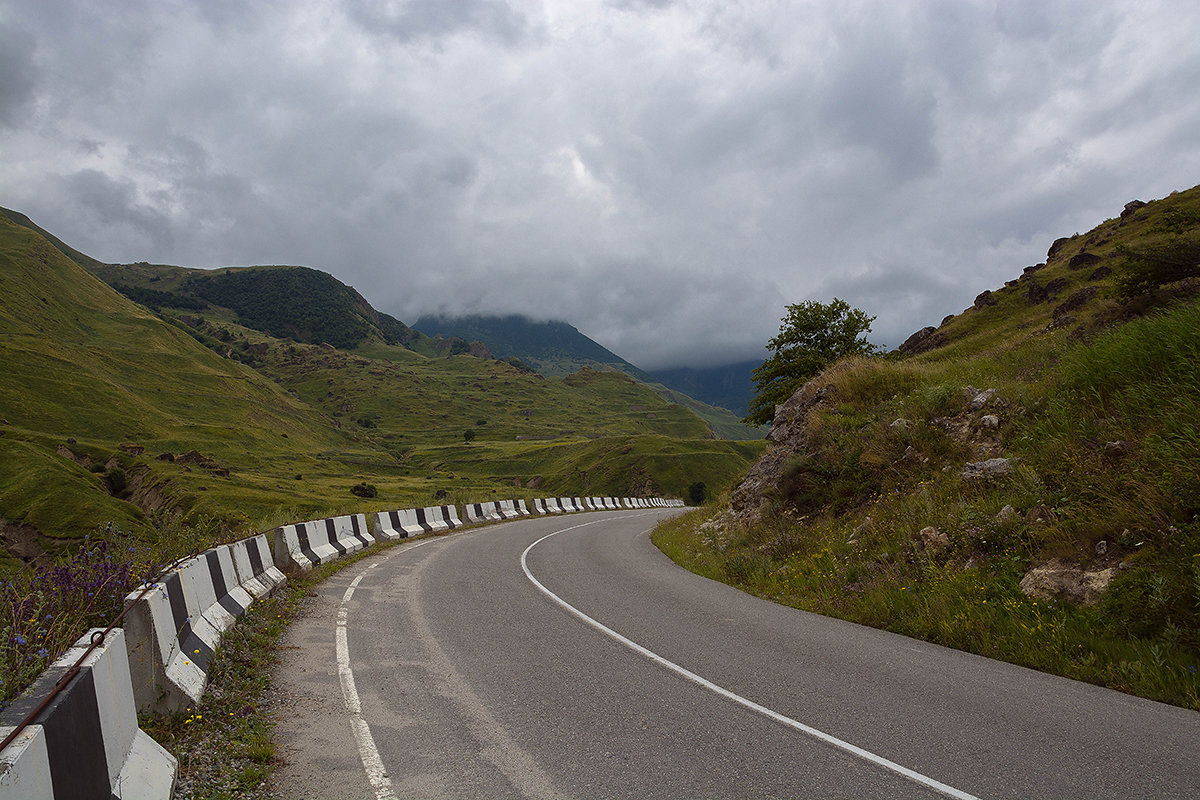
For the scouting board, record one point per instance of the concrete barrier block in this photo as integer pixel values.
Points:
(255, 568)
(301, 546)
(174, 629)
(86, 743)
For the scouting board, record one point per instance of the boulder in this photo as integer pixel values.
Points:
(1056, 246)
(984, 298)
(1075, 301)
(1037, 293)
(1083, 259)
(1131, 208)
(980, 399)
(932, 540)
(1100, 272)
(1059, 579)
(991, 468)
(788, 436)
(925, 339)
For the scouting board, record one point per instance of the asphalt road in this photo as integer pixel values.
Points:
(622, 675)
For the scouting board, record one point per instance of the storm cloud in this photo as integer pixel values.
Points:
(666, 176)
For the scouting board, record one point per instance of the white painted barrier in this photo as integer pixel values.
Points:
(406, 522)
(86, 743)
(482, 512)
(174, 629)
(304, 545)
(547, 505)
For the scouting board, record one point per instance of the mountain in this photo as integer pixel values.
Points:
(730, 386)
(552, 348)
(200, 411)
(557, 348)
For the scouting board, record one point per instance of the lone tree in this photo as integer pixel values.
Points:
(813, 335)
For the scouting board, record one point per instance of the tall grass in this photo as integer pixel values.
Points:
(44, 609)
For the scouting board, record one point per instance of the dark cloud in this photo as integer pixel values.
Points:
(666, 176)
(17, 48)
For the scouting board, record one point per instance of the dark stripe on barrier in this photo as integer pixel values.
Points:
(448, 516)
(256, 562)
(422, 521)
(305, 547)
(331, 532)
(75, 741)
(360, 535)
(189, 643)
(179, 609)
(194, 648)
(397, 527)
(218, 581)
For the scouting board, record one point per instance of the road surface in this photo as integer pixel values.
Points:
(567, 657)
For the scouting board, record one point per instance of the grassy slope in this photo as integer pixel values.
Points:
(81, 362)
(839, 536)
(531, 433)
(295, 425)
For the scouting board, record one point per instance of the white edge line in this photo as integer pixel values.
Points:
(372, 763)
(912, 775)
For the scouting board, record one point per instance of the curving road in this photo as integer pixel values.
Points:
(567, 657)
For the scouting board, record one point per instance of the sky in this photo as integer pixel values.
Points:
(666, 176)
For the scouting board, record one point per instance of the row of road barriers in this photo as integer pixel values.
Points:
(85, 742)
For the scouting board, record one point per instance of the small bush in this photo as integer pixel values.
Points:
(364, 489)
(117, 481)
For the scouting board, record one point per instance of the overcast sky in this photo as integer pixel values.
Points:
(666, 176)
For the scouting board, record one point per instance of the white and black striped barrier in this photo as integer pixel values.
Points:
(86, 742)
(547, 505)
(174, 629)
(495, 510)
(405, 522)
(304, 545)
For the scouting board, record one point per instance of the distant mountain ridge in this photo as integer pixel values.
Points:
(730, 386)
(553, 348)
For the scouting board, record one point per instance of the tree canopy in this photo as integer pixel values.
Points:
(811, 337)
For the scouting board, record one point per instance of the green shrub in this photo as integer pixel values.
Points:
(117, 481)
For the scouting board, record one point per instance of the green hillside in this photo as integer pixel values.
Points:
(165, 417)
(553, 348)
(1023, 481)
(556, 349)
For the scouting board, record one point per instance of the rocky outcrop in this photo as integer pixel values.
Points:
(984, 298)
(925, 339)
(1037, 293)
(1075, 301)
(1131, 208)
(787, 438)
(1083, 260)
(1059, 579)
